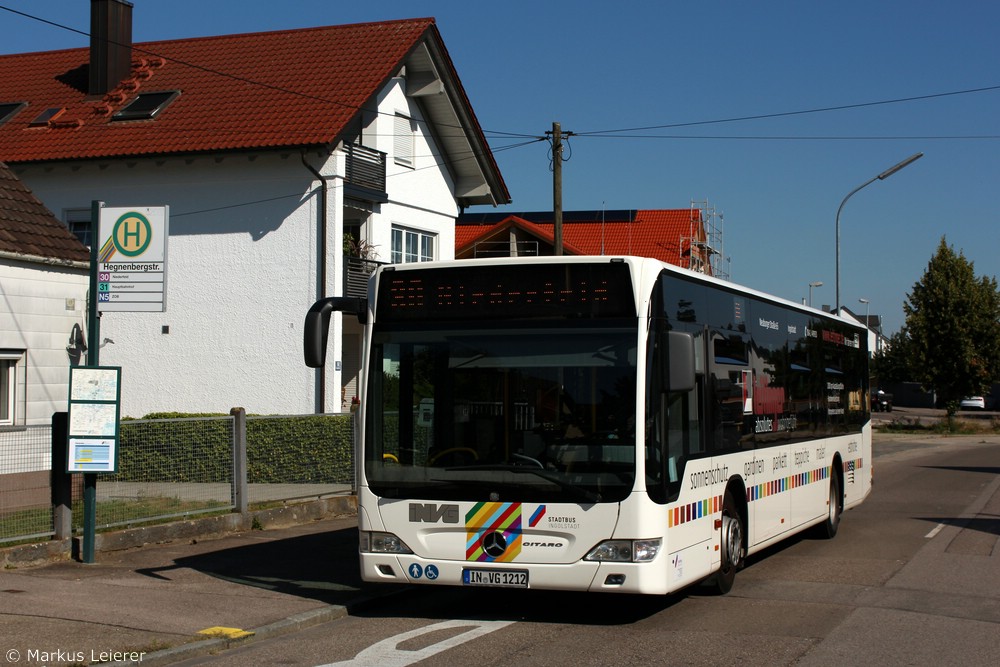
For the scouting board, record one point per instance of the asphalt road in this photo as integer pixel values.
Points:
(913, 577)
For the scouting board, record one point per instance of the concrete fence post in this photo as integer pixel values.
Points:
(240, 488)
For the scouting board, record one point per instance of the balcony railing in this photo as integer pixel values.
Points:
(366, 169)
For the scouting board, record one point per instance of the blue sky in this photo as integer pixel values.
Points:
(778, 181)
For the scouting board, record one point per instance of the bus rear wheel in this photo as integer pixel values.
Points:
(828, 529)
(732, 546)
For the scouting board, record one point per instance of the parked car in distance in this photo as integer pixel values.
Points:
(972, 403)
(881, 401)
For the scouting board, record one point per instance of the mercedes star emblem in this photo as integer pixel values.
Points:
(494, 544)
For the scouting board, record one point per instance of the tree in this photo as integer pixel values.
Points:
(953, 327)
(891, 365)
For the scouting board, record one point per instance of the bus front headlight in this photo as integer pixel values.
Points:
(625, 551)
(382, 543)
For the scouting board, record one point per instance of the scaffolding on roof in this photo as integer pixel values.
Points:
(705, 241)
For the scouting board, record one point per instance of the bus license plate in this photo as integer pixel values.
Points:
(499, 578)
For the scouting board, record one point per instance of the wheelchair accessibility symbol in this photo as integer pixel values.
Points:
(431, 571)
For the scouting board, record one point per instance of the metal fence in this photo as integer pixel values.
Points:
(25, 491)
(167, 468)
(175, 468)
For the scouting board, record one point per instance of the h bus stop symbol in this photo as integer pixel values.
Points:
(131, 234)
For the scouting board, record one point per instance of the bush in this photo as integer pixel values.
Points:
(178, 448)
(300, 450)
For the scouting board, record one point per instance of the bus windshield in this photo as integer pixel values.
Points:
(494, 411)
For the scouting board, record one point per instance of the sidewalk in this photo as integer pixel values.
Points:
(151, 605)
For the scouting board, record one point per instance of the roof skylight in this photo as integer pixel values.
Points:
(147, 105)
(49, 114)
(9, 109)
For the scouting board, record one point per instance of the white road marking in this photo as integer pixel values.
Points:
(385, 653)
(937, 529)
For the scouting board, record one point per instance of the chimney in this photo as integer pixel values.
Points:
(110, 44)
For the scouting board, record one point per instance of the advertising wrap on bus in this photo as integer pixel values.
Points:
(592, 423)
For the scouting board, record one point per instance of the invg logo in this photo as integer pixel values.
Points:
(433, 513)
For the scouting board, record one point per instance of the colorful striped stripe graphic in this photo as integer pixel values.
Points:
(777, 486)
(107, 251)
(486, 518)
(537, 516)
(696, 510)
(856, 464)
(713, 505)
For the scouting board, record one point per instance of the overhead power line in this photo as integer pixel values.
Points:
(766, 137)
(801, 112)
(609, 133)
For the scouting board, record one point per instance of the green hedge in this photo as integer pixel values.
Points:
(309, 449)
(300, 450)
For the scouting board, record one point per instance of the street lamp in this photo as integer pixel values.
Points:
(881, 177)
(811, 285)
(868, 321)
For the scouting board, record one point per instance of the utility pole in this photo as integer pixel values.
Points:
(557, 160)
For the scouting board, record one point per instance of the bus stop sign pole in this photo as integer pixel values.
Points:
(93, 359)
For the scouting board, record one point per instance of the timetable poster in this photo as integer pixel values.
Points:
(94, 412)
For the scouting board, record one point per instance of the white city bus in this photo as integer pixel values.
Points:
(595, 423)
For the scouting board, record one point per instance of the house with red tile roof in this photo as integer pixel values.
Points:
(675, 236)
(289, 160)
(43, 297)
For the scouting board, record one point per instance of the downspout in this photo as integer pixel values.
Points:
(321, 265)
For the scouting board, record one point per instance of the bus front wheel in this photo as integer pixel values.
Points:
(732, 546)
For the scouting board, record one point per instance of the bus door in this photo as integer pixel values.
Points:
(766, 413)
(733, 388)
(768, 472)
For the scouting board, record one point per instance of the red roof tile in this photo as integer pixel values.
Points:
(661, 234)
(251, 91)
(28, 228)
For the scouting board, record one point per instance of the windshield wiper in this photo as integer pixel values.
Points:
(577, 492)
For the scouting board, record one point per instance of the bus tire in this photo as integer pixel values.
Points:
(835, 507)
(733, 546)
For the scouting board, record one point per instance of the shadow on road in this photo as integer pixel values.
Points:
(321, 566)
(324, 566)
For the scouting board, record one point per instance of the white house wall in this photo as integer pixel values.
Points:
(241, 261)
(421, 197)
(242, 266)
(39, 306)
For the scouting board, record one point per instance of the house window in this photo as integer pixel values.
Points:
(8, 385)
(410, 246)
(403, 140)
(79, 222)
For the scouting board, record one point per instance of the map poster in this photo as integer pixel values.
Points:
(94, 413)
(93, 384)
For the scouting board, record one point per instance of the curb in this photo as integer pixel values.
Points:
(285, 626)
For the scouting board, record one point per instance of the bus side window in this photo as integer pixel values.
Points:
(675, 430)
(729, 366)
